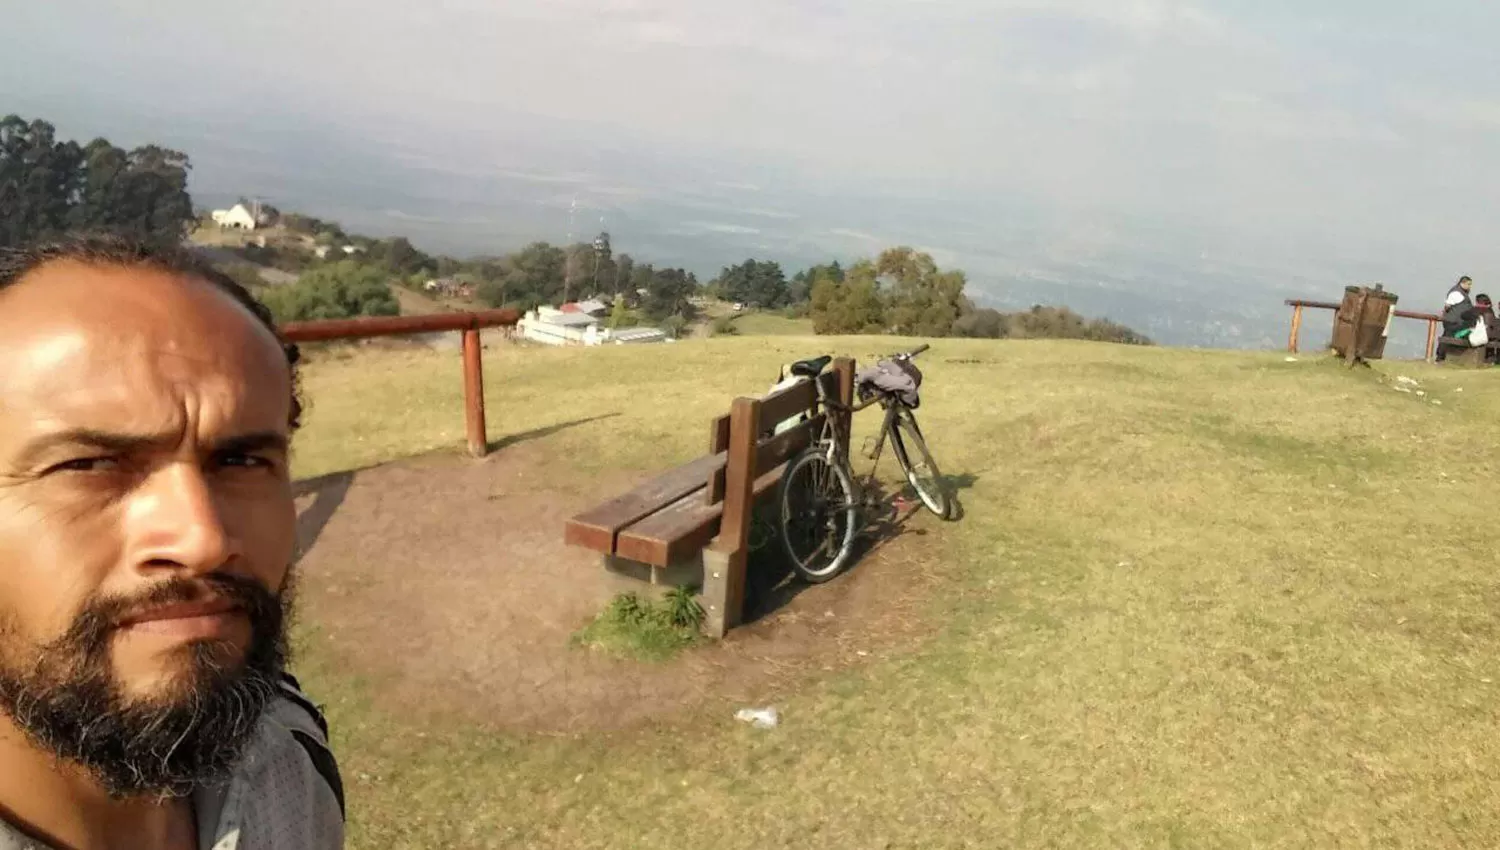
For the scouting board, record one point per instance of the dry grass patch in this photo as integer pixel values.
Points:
(1198, 599)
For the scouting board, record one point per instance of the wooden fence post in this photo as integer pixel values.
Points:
(1432, 337)
(1291, 342)
(1356, 304)
(479, 444)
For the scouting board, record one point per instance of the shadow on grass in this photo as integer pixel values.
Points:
(330, 490)
(770, 583)
(547, 431)
(329, 493)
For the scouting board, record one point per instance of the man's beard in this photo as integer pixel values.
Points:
(69, 703)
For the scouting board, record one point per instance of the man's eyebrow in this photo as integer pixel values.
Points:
(260, 441)
(121, 443)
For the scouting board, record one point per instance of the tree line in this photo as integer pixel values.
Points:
(50, 186)
(902, 291)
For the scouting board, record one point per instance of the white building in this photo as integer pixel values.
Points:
(554, 327)
(236, 216)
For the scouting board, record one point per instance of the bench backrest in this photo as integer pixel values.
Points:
(750, 455)
(772, 450)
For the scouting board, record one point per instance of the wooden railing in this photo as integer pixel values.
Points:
(468, 323)
(1432, 320)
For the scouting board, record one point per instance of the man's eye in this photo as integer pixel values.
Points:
(245, 461)
(86, 464)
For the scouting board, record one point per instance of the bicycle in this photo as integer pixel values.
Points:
(820, 500)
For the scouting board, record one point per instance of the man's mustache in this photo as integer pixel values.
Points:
(102, 616)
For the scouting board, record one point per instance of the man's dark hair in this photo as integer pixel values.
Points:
(1481, 298)
(1465, 279)
(108, 250)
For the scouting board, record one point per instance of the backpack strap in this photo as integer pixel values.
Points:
(312, 735)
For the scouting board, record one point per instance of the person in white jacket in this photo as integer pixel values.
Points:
(147, 531)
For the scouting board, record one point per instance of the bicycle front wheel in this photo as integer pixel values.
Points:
(819, 515)
(921, 470)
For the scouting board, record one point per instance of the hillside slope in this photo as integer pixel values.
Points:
(1198, 599)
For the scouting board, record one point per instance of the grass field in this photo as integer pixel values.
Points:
(1198, 599)
(771, 324)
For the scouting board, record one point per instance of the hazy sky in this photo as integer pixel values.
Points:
(1350, 137)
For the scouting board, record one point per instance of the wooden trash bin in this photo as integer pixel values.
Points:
(1363, 323)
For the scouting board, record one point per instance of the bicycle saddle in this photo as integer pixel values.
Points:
(811, 368)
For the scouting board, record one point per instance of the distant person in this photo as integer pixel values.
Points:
(1458, 313)
(147, 525)
(1486, 310)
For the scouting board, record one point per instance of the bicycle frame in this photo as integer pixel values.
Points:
(834, 440)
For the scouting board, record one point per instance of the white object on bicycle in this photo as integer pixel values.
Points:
(787, 381)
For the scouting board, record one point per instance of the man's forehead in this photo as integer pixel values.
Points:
(75, 336)
(104, 302)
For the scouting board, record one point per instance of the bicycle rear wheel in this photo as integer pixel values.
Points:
(921, 470)
(819, 515)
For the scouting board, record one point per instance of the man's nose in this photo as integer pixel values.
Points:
(175, 521)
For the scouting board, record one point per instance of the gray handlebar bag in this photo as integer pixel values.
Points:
(900, 378)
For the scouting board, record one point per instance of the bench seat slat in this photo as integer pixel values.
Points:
(598, 527)
(683, 528)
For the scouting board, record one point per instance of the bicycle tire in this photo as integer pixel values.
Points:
(926, 479)
(819, 516)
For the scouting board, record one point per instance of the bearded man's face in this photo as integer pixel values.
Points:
(146, 522)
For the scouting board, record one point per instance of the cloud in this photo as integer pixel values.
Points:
(1260, 132)
(1452, 110)
(857, 235)
(719, 227)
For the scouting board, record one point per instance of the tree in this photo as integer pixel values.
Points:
(667, 294)
(982, 323)
(39, 181)
(48, 187)
(754, 283)
(336, 291)
(624, 268)
(400, 257)
(620, 316)
(922, 300)
(850, 306)
(534, 275)
(641, 280)
(799, 290)
(578, 271)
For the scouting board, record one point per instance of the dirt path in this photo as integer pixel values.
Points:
(445, 582)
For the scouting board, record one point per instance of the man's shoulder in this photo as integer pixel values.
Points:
(295, 712)
(293, 706)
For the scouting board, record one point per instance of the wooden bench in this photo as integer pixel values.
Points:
(691, 525)
(1461, 353)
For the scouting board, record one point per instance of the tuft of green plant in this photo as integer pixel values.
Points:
(632, 627)
(628, 608)
(682, 609)
(723, 326)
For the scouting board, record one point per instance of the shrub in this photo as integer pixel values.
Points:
(335, 291)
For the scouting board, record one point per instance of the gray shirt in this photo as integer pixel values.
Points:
(286, 793)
